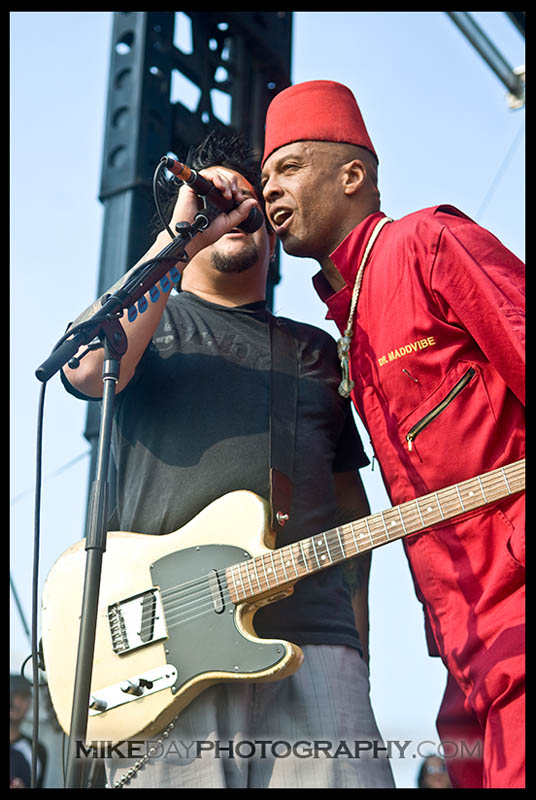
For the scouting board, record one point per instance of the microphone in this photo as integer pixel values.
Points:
(206, 189)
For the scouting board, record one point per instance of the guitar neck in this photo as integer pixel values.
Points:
(286, 565)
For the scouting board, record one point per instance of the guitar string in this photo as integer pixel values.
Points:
(208, 607)
(371, 519)
(278, 573)
(410, 517)
(248, 578)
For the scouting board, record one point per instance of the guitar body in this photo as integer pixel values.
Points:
(175, 612)
(165, 622)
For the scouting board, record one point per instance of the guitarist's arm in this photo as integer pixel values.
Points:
(87, 377)
(352, 504)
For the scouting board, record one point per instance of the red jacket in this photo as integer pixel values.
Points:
(441, 306)
(437, 358)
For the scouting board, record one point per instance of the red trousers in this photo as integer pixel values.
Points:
(474, 759)
(472, 581)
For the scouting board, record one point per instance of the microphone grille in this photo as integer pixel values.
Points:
(253, 221)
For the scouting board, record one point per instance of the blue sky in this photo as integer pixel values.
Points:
(444, 133)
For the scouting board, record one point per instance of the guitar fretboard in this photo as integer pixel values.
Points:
(277, 568)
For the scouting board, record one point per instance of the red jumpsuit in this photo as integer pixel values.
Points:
(440, 317)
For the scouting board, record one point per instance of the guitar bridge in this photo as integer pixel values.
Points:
(137, 621)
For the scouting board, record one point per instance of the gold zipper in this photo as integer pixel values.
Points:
(428, 418)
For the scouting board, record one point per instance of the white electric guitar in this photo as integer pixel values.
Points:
(176, 611)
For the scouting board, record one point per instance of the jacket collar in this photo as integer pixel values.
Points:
(347, 256)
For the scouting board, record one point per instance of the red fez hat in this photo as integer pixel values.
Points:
(323, 111)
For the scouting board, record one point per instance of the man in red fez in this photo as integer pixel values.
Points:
(431, 308)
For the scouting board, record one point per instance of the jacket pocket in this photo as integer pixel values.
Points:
(435, 412)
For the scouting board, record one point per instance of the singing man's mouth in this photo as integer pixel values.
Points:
(280, 218)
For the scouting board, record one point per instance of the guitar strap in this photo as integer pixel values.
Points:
(283, 419)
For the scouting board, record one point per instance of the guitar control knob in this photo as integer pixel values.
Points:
(131, 687)
(96, 704)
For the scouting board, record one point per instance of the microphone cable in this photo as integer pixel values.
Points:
(35, 587)
(35, 653)
(156, 175)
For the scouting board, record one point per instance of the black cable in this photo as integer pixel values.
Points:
(156, 199)
(20, 609)
(37, 509)
(500, 171)
(54, 474)
(35, 585)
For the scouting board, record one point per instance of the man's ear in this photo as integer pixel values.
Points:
(354, 175)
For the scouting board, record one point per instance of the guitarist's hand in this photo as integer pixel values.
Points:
(188, 204)
(87, 378)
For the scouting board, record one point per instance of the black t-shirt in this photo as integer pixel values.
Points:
(192, 425)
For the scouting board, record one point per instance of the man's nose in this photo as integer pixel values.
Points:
(271, 189)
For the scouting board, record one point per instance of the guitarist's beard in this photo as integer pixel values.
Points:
(246, 258)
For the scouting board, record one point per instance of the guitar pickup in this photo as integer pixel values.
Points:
(137, 621)
(216, 591)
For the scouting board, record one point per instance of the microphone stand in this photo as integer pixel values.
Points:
(105, 324)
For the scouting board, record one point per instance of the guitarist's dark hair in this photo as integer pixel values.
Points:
(227, 150)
